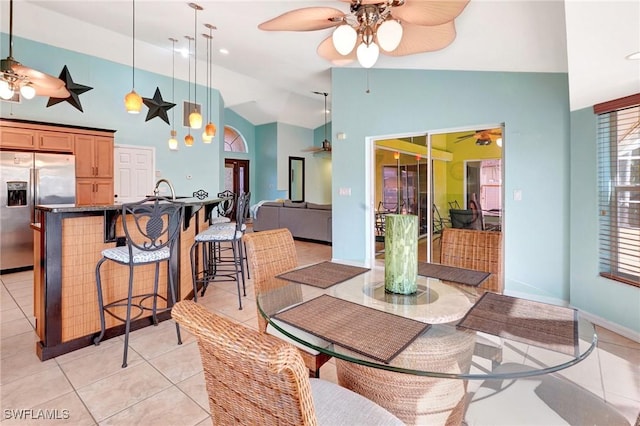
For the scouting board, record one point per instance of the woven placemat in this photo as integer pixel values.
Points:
(367, 331)
(539, 324)
(452, 273)
(323, 274)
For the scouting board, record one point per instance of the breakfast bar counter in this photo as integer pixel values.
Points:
(68, 242)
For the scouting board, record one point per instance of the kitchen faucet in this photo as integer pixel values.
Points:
(156, 191)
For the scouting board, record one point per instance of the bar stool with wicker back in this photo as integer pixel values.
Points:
(271, 253)
(215, 264)
(151, 229)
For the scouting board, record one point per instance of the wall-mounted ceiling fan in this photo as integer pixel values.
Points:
(15, 77)
(482, 137)
(397, 27)
(326, 144)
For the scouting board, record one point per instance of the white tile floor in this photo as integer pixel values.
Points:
(164, 383)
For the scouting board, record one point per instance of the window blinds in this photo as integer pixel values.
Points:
(618, 141)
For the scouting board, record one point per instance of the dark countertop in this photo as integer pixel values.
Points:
(72, 208)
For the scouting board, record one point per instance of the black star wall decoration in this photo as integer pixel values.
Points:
(75, 90)
(158, 107)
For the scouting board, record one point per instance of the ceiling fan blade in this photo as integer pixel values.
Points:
(465, 137)
(37, 77)
(429, 12)
(327, 51)
(419, 39)
(305, 19)
(59, 92)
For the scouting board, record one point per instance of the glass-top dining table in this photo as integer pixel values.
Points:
(441, 331)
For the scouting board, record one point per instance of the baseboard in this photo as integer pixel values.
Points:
(612, 326)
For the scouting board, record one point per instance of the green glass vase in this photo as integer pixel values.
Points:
(401, 254)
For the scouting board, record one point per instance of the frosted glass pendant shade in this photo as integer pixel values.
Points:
(188, 140)
(173, 142)
(210, 129)
(389, 35)
(133, 102)
(344, 39)
(368, 55)
(195, 120)
(206, 138)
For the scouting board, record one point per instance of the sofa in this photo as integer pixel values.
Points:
(307, 221)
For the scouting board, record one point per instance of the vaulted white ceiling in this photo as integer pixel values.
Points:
(270, 76)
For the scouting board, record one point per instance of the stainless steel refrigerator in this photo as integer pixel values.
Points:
(29, 179)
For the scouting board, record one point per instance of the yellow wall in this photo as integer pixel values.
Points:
(464, 150)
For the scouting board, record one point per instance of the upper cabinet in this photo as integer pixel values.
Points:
(94, 156)
(93, 149)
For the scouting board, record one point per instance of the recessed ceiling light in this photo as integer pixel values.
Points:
(633, 56)
(223, 51)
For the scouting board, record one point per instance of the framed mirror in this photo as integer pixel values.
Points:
(296, 179)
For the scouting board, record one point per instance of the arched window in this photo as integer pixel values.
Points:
(233, 140)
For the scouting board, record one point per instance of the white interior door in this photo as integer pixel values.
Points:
(133, 172)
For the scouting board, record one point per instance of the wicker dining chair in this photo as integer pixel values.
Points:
(474, 249)
(271, 253)
(253, 378)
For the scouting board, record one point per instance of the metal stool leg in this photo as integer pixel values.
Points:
(127, 324)
(97, 339)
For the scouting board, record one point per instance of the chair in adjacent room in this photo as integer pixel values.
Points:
(465, 219)
(254, 378)
(216, 264)
(151, 229)
(271, 253)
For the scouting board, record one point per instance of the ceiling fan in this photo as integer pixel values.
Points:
(482, 137)
(16, 77)
(397, 27)
(326, 145)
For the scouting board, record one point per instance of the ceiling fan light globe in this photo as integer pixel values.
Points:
(344, 39)
(6, 92)
(368, 55)
(27, 91)
(133, 102)
(195, 120)
(389, 35)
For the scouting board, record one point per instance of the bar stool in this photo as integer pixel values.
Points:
(216, 265)
(224, 208)
(151, 229)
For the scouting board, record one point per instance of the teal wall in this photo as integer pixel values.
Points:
(535, 110)
(617, 302)
(267, 163)
(104, 108)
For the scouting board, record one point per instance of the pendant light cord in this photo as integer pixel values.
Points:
(133, 42)
(173, 81)
(195, 59)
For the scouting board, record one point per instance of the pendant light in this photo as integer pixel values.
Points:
(188, 139)
(210, 128)
(195, 118)
(173, 142)
(133, 101)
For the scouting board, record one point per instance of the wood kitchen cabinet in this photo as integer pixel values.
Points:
(94, 170)
(93, 150)
(91, 191)
(33, 137)
(94, 157)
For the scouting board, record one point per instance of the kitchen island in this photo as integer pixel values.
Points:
(68, 242)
